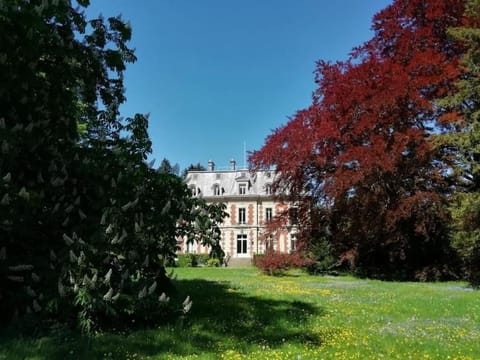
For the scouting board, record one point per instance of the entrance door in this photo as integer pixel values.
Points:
(242, 250)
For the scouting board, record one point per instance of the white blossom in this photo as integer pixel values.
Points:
(56, 207)
(114, 240)
(135, 202)
(23, 193)
(103, 220)
(142, 293)
(109, 229)
(126, 206)
(53, 257)
(5, 147)
(152, 288)
(108, 295)
(5, 199)
(36, 306)
(61, 289)
(187, 305)
(30, 292)
(20, 267)
(108, 275)
(68, 240)
(163, 298)
(81, 214)
(124, 235)
(73, 257)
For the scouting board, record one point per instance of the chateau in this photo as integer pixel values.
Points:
(250, 205)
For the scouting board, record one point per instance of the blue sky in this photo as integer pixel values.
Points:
(216, 74)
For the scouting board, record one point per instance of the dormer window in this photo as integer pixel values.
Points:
(268, 189)
(242, 189)
(193, 190)
(217, 190)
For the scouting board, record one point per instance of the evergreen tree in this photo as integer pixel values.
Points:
(460, 143)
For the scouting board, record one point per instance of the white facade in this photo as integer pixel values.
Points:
(250, 205)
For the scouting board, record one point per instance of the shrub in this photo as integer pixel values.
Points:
(187, 260)
(465, 211)
(213, 262)
(257, 258)
(202, 259)
(274, 263)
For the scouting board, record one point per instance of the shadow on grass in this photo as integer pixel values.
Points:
(221, 318)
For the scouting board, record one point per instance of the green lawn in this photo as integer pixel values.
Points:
(241, 314)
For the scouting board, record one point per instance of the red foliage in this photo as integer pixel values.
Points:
(363, 146)
(273, 263)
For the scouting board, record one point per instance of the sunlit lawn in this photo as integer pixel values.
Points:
(241, 314)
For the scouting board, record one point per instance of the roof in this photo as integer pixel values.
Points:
(229, 182)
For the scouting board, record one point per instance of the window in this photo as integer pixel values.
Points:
(268, 214)
(242, 189)
(242, 244)
(293, 215)
(241, 216)
(268, 189)
(193, 190)
(216, 190)
(269, 244)
(293, 242)
(191, 248)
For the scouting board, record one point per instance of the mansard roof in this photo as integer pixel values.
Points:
(229, 182)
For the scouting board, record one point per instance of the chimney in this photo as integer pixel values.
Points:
(232, 164)
(211, 165)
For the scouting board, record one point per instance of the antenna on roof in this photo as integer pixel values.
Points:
(244, 154)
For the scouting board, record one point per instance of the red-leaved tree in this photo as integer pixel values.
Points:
(362, 150)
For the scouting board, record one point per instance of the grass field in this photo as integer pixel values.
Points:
(242, 314)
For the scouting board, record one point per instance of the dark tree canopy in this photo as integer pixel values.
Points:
(193, 167)
(167, 168)
(85, 224)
